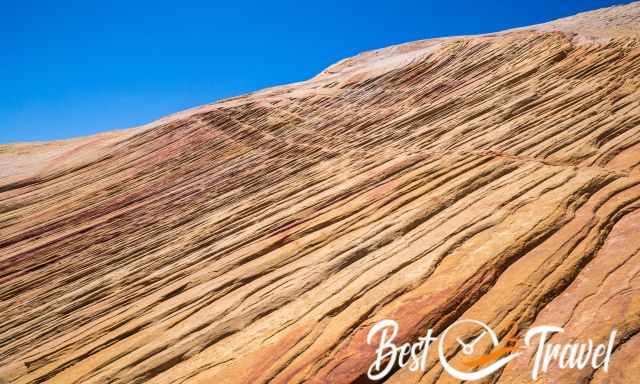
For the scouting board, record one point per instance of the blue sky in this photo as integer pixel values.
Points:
(72, 68)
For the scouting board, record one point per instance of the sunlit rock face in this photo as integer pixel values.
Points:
(258, 239)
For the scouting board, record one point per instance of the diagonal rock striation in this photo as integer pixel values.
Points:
(259, 238)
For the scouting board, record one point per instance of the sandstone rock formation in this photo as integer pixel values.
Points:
(258, 239)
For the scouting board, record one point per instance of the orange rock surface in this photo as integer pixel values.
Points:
(258, 239)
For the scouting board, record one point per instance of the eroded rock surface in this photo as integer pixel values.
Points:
(258, 239)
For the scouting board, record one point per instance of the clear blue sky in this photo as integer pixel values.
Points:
(71, 68)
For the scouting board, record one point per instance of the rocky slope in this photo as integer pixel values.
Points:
(259, 238)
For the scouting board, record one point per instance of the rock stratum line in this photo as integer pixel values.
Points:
(257, 239)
